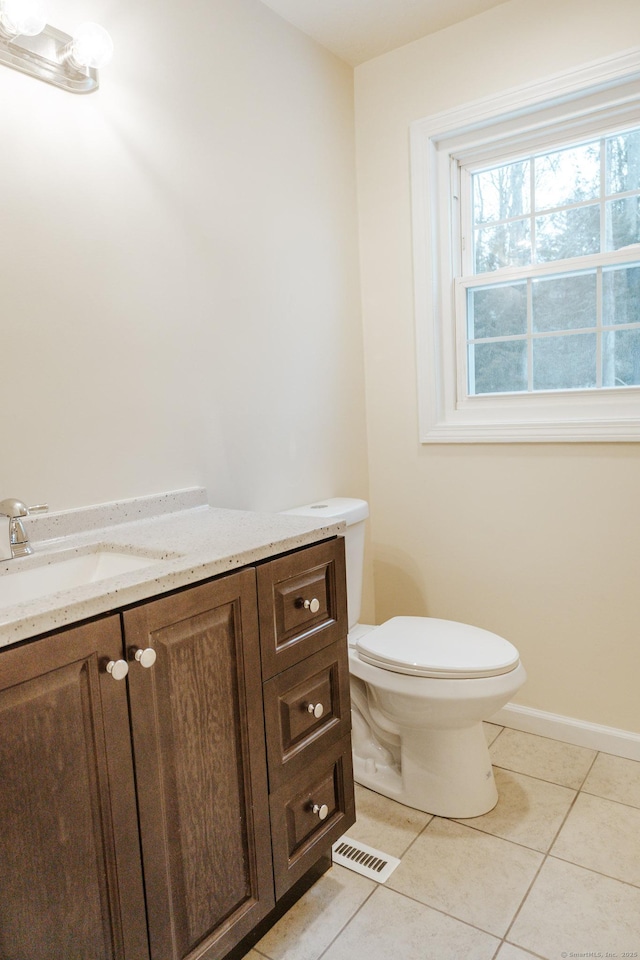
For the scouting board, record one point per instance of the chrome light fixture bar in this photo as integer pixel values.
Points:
(30, 45)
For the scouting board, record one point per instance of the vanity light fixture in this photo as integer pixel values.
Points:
(29, 44)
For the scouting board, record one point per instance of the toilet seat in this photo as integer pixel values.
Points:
(427, 647)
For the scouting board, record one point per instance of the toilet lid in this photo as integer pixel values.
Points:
(425, 647)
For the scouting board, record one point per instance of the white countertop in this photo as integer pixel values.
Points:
(191, 540)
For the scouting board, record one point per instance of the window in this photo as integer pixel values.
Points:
(527, 262)
(568, 317)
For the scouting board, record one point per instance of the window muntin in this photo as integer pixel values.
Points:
(548, 327)
(565, 331)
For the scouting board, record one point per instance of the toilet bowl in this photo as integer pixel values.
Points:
(417, 726)
(420, 691)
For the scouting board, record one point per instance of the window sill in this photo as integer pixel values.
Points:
(553, 418)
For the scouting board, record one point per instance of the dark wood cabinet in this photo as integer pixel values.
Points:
(303, 604)
(161, 815)
(307, 709)
(303, 627)
(70, 873)
(200, 765)
(309, 812)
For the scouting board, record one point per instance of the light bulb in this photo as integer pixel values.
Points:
(91, 46)
(24, 18)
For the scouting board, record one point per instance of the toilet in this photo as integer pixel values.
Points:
(420, 691)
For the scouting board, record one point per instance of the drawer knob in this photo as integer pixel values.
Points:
(118, 669)
(312, 605)
(146, 658)
(321, 812)
(316, 709)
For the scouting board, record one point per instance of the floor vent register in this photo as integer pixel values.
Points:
(362, 859)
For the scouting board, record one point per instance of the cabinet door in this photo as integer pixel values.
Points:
(71, 884)
(198, 737)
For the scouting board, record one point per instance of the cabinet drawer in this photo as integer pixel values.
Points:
(302, 601)
(295, 735)
(298, 834)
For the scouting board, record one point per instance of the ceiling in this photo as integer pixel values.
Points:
(357, 30)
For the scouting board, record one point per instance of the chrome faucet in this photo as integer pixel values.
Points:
(15, 510)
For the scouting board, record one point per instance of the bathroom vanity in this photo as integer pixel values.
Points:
(174, 770)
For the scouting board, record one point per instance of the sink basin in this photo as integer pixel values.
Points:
(65, 573)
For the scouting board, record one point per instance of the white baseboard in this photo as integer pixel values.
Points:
(620, 743)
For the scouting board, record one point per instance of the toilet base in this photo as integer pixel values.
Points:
(447, 773)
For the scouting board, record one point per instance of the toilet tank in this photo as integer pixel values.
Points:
(354, 513)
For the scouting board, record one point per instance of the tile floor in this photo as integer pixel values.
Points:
(552, 872)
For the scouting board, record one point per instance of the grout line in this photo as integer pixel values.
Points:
(598, 873)
(432, 817)
(418, 834)
(580, 789)
(497, 736)
(451, 916)
(564, 820)
(621, 803)
(346, 924)
(542, 779)
(496, 836)
(508, 943)
(524, 899)
(591, 765)
(532, 953)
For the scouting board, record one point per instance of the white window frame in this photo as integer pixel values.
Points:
(606, 93)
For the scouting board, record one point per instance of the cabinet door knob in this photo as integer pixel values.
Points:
(312, 605)
(316, 709)
(321, 812)
(118, 669)
(146, 658)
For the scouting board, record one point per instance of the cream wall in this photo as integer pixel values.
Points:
(178, 266)
(540, 543)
